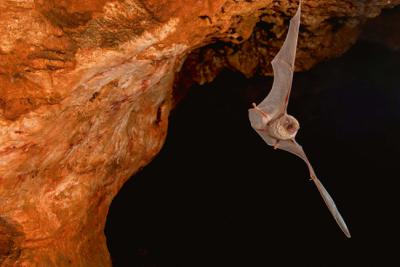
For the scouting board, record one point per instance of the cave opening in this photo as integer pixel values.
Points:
(217, 195)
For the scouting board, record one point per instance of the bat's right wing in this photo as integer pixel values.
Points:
(283, 66)
(293, 147)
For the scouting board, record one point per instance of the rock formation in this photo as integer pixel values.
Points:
(86, 88)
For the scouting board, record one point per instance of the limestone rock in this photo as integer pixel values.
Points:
(86, 88)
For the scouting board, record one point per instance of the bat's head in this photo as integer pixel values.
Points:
(284, 127)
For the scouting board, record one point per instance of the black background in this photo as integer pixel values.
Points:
(217, 195)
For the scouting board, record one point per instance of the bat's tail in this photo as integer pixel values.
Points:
(331, 206)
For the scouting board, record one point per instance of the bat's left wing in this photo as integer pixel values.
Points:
(283, 66)
(293, 147)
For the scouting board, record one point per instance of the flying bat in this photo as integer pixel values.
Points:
(271, 121)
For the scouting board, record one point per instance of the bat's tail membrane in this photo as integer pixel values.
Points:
(331, 206)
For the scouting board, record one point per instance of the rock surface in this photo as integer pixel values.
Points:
(86, 89)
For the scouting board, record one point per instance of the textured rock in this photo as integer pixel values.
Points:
(85, 92)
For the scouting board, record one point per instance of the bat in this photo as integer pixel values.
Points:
(271, 121)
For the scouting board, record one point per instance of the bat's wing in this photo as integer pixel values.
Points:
(293, 147)
(283, 66)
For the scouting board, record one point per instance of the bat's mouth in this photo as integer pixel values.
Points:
(291, 127)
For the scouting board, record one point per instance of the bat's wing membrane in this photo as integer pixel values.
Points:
(293, 147)
(332, 207)
(283, 66)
